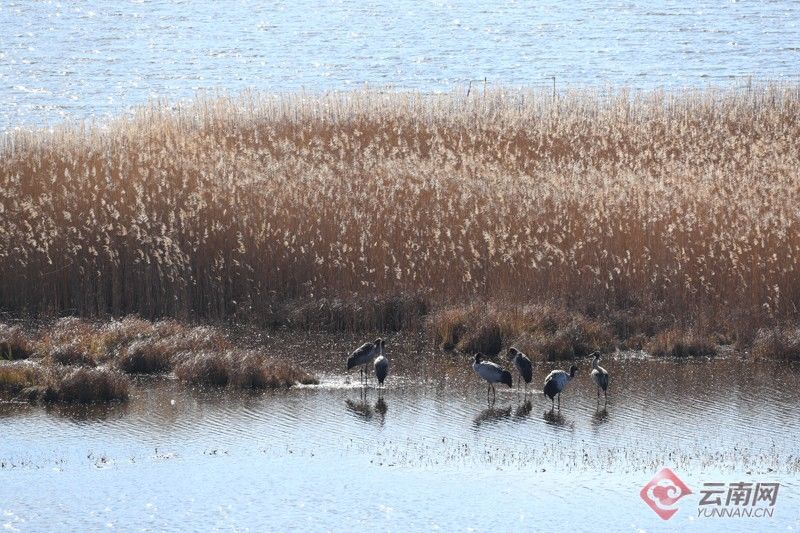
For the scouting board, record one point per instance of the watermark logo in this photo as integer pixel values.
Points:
(717, 500)
(734, 500)
(663, 492)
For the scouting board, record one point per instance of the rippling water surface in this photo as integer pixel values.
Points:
(83, 59)
(428, 452)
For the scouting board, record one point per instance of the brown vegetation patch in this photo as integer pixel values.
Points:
(681, 343)
(241, 369)
(204, 369)
(14, 377)
(542, 331)
(34, 382)
(85, 385)
(389, 313)
(145, 356)
(14, 343)
(685, 198)
(780, 343)
(72, 354)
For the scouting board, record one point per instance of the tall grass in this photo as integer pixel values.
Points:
(239, 208)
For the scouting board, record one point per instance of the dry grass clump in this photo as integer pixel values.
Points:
(34, 382)
(578, 338)
(145, 356)
(677, 342)
(115, 334)
(14, 377)
(72, 341)
(240, 369)
(539, 330)
(450, 325)
(15, 344)
(72, 354)
(205, 369)
(132, 344)
(85, 385)
(470, 329)
(157, 351)
(779, 343)
(254, 371)
(486, 337)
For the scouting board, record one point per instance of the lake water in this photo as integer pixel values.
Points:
(429, 452)
(83, 59)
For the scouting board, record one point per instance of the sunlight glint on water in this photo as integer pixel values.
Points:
(84, 59)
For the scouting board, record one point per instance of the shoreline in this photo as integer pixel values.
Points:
(72, 360)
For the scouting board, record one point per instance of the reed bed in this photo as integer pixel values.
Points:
(310, 211)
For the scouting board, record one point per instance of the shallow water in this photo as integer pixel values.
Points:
(83, 59)
(427, 452)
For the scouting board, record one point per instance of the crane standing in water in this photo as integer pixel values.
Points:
(599, 376)
(555, 382)
(363, 355)
(381, 365)
(523, 364)
(492, 373)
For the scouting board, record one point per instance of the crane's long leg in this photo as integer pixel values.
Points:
(559, 401)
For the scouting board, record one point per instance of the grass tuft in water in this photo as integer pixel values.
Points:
(85, 385)
(241, 369)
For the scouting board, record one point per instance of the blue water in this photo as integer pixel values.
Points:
(427, 453)
(90, 59)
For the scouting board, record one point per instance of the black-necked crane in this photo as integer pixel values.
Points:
(381, 365)
(555, 382)
(599, 376)
(491, 372)
(363, 355)
(523, 364)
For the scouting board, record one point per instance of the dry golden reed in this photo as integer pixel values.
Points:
(236, 207)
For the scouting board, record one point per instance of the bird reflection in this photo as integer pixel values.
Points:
(381, 407)
(554, 418)
(360, 408)
(600, 416)
(87, 412)
(491, 414)
(523, 410)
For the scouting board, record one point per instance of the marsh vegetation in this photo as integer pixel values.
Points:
(567, 223)
(74, 360)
